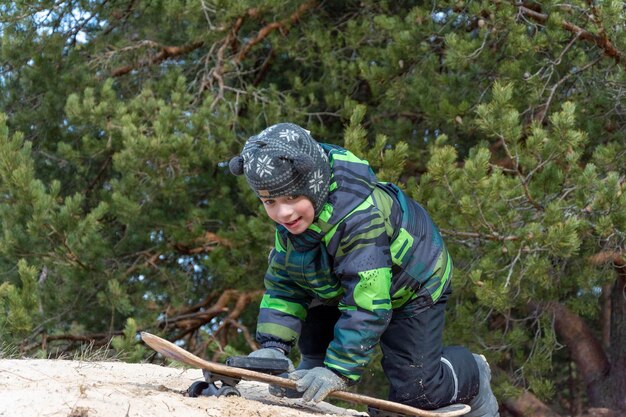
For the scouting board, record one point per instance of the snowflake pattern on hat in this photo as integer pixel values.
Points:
(264, 166)
(289, 135)
(317, 181)
(247, 161)
(323, 154)
(284, 160)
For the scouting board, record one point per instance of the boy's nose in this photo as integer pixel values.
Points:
(285, 211)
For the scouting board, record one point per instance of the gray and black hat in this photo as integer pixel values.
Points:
(284, 160)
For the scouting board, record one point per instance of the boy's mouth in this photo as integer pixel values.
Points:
(292, 224)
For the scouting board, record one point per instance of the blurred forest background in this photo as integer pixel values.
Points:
(505, 119)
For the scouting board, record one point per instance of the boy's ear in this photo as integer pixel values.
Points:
(236, 165)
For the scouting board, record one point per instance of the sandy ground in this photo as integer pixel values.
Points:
(63, 388)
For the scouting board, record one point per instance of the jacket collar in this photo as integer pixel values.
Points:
(352, 181)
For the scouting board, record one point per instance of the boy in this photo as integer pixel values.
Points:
(356, 263)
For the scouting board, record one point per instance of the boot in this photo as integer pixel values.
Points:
(485, 403)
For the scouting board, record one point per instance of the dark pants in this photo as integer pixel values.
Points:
(421, 372)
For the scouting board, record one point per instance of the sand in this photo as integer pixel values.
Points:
(70, 388)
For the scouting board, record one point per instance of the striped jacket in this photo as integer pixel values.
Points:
(371, 251)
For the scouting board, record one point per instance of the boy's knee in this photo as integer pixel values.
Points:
(423, 393)
(453, 379)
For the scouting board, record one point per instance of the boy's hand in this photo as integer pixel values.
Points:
(317, 383)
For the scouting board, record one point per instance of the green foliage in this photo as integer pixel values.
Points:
(388, 161)
(115, 297)
(127, 346)
(519, 232)
(19, 305)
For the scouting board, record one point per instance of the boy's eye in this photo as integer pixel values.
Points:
(268, 202)
(293, 197)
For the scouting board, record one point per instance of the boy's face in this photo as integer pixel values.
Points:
(295, 213)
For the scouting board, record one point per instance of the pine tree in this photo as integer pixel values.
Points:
(504, 119)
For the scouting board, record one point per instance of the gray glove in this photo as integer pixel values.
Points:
(273, 353)
(317, 383)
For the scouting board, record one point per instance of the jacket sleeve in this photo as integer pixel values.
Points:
(363, 263)
(283, 307)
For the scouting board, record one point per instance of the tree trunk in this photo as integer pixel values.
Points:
(613, 387)
(527, 405)
(585, 349)
(603, 369)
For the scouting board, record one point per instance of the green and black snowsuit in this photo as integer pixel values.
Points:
(372, 252)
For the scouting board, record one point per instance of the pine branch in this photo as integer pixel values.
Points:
(264, 68)
(217, 72)
(540, 117)
(481, 236)
(83, 338)
(205, 243)
(222, 333)
(197, 319)
(584, 347)
(600, 40)
(165, 53)
(100, 175)
(523, 180)
(282, 26)
(614, 257)
(120, 18)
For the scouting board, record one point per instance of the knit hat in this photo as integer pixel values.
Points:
(284, 160)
